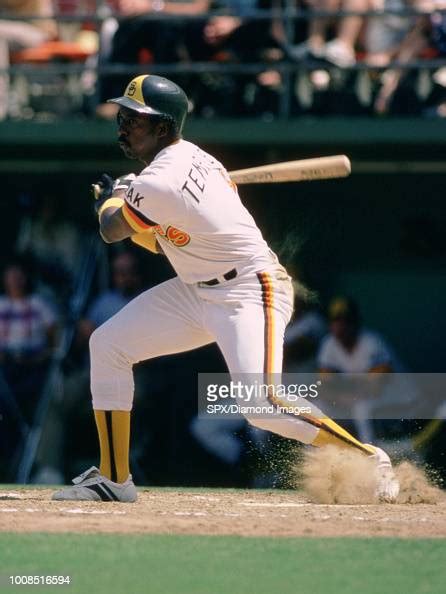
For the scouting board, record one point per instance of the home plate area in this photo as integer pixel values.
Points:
(218, 512)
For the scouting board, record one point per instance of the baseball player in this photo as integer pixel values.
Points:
(230, 287)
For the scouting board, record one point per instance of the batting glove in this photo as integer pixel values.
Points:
(123, 183)
(102, 190)
(107, 187)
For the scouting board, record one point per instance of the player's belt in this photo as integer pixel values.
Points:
(220, 279)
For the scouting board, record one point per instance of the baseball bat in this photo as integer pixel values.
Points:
(294, 171)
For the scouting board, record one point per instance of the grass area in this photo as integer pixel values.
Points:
(155, 564)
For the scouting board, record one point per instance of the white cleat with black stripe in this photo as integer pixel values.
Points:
(92, 486)
(387, 485)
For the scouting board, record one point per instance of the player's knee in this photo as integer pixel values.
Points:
(97, 341)
(102, 344)
(105, 349)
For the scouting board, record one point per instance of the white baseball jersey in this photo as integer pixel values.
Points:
(371, 351)
(200, 222)
(188, 198)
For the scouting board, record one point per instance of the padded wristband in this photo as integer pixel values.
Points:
(113, 201)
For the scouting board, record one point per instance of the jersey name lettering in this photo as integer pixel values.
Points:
(134, 198)
(196, 178)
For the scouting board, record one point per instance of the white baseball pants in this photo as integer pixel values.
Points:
(245, 316)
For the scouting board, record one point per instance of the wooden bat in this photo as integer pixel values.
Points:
(294, 171)
(302, 170)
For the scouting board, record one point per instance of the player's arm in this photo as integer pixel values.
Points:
(109, 199)
(114, 226)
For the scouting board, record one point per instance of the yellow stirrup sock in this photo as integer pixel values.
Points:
(330, 433)
(114, 441)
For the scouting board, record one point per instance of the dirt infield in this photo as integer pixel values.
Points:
(217, 512)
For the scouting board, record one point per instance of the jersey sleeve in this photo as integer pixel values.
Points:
(151, 201)
(381, 357)
(326, 358)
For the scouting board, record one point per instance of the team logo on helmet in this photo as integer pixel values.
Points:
(155, 95)
(131, 89)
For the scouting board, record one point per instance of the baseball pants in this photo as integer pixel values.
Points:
(245, 316)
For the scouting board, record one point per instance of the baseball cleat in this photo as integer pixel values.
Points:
(92, 486)
(387, 487)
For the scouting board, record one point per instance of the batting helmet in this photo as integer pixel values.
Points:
(344, 308)
(155, 95)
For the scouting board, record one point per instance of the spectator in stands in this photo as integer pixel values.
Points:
(228, 39)
(225, 38)
(126, 283)
(384, 33)
(437, 108)
(27, 336)
(395, 38)
(220, 28)
(16, 35)
(341, 49)
(53, 243)
(384, 38)
(138, 40)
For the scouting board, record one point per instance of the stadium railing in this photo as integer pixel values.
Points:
(70, 59)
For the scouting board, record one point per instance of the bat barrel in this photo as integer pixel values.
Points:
(300, 170)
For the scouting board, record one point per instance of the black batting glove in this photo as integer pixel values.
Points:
(102, 190)
(107, 187)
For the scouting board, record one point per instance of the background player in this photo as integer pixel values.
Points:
(230, 287)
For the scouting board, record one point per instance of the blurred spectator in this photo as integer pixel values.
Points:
(438, 40)
(137, 40)
(133, 38)
(228, 39)
(341, 49)
(380, 40)
(16, 35)
(221, 38)
(53, 243)
(384, 33)
(395, 38)
(27, 339)
(126, 283)
(27, 335)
